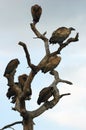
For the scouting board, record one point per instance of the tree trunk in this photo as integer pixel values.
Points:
(28, 124)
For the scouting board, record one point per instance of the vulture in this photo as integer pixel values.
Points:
(51, 64)
(11, 66)
(22, 78)
(11, 93)
(45, 94)
(60, 34)
(36, 12)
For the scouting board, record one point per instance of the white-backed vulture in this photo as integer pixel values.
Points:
(60, 34)
(11, 66)
(36, 12)
(45, 94)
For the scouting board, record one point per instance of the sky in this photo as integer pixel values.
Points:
(15, 19)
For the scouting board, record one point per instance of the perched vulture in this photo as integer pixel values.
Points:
(45, 94)
(51, 64)
(36, 12)
(12, 94)
(60, 34)
(22, 78)
(11, 67)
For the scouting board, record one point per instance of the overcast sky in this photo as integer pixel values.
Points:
(15, 19)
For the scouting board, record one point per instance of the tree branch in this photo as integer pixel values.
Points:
(48, 104)
(33, 67)
(56, 95)
(58, 79)
(15, 123)
(64, 95)
(41, 36)
(66, 44)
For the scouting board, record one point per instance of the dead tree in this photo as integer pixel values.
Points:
(22, 90)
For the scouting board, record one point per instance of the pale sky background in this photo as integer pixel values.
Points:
(15, 19)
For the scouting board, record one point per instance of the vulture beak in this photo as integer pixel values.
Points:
(72, 28)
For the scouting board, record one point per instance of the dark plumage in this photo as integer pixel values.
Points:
(22, 78)
(36, 12)
(45, 94)
(11, 93)
(60, 34)
(51, 64)
(11, 66)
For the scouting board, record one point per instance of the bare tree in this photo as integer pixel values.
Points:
(21, 91)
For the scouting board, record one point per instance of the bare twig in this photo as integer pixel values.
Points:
(64, 95)
(41, 36)
(8, 126)
(27, 54)
(33, 67)
(66, 44)
(37, 33)
(58, 79)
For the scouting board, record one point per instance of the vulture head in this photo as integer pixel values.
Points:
(72, 29)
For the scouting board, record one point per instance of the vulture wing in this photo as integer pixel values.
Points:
(36, 12)
(12, 65)
(59, 35)
(44, 94)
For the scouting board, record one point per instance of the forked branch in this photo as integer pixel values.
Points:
(41, 36)
(66, 44)
(56, 96)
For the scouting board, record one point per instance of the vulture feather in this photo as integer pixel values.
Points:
(11, 66)
(60, 34)
(22, 79)
(51, 64)
(45, 94)
(36, 12)
(12, 94)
